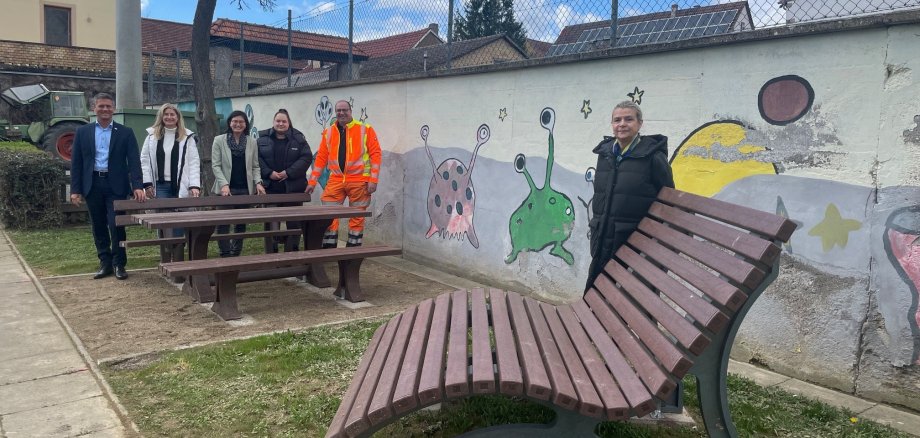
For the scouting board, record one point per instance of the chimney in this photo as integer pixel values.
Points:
(433, 27)
(673, 10)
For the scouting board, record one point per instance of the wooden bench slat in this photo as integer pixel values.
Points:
(681, 329)
(589, 402)
(626, 380)
(748, 245)
(564, 394)
(380, 407)
(214, 237)
(722, 262)
(776, 227)
(510, 379)
(536, 381)
(265, 261)
(152, 242)
(706, 314)
(483, 370)
(430, 386)
(337, 427)
(456, 378)
(209, 201)
(357, 421)
(646, 366)
(647, 332)
(615, 405)
(712, 286)
(404, 396)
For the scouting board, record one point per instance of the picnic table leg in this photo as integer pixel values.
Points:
(349, 288)
(225, 301)
(199, 286)
(270, 246)
(313, 239)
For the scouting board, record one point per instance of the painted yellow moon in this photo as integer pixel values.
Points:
(698, 170)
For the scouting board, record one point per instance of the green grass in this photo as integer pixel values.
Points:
(18, 146)
(70, 250)
(289, 385)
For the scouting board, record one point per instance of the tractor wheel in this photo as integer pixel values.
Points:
(58, 141)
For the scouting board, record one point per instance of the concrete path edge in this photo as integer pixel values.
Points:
(120, 409)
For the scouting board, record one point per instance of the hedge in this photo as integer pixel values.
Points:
(30, 187)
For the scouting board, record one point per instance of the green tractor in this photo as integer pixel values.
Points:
(47, 119)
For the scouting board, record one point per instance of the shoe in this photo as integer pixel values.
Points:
(120, 273)
(104, 271)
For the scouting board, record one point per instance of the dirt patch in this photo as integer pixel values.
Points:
(146, 313)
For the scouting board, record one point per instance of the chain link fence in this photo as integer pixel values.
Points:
(338, 40)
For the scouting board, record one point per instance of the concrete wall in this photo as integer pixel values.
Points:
(92, 21)
(823, 128)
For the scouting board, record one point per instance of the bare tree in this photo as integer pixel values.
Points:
(205, 116)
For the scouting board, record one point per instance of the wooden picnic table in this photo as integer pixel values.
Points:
(200, 225)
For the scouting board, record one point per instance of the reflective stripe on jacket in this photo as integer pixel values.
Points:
(362, 154)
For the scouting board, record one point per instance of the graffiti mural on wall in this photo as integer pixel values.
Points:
(913, 135)
(834, 230)
(546, 217)
(586, 107)
(723, 151)
(785, 99)
(715, 155)
(636, 96)
(323, 115)
(451, 195)
(902, 243)
(253, 131)
(502, 113)
(589, 177)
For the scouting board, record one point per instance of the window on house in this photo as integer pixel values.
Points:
(57, 26)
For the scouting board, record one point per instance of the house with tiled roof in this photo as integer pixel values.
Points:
(264, 56)
(660, 27)
(394, 44)
(478, 51)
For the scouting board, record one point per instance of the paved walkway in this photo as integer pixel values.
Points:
(50, 387)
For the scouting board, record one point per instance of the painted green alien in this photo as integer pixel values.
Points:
(546, 217)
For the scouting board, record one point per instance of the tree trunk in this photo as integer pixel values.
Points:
(200, 62)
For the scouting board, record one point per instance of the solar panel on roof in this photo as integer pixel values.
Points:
(697, 32)
(658, 25)
(729, 17)
(693, 21)
(627, 31)
(704, 20)
(604, 34)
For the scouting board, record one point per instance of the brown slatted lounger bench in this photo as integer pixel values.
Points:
(227, 271)
(669, 304)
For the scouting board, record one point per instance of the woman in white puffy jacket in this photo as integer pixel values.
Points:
(169, 157)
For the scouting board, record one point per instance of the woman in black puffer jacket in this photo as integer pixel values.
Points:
(626, 182)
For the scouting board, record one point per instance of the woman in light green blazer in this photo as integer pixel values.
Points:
(235, 162)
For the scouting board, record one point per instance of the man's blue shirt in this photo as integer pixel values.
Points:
(103, 138)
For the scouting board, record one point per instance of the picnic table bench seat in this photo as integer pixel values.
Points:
(229, 271)
(669, 304)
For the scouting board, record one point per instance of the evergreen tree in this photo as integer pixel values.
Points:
(489, 17)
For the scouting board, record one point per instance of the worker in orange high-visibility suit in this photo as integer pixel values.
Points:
(349, 148)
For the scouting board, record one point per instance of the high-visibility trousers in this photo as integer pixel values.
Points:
(335, 192)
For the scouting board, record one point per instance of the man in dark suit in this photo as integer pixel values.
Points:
(106, 166)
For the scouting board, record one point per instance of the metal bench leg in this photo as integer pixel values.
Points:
(225, 302)
(349, 286)
(712, 390)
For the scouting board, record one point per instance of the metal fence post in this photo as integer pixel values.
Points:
(242, 48)
(178, 74)
(289, 48)
(450, 30)
(614, 6)
(151, 71)
(351, 35)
